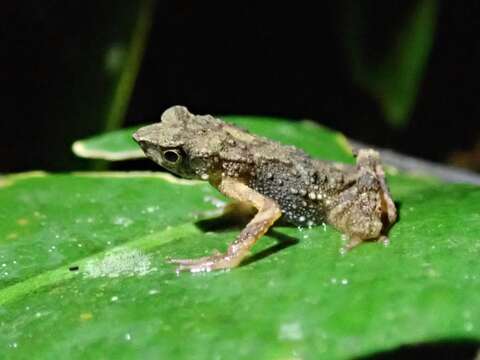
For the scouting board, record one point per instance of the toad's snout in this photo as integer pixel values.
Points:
(146, 134)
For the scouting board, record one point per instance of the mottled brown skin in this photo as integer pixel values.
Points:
(276, 179)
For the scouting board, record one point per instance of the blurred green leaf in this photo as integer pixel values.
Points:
(127, 64)
(83, 273)
(112, 146)
(92, 76)
(392, 77)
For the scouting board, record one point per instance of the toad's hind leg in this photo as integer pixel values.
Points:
(268, 213)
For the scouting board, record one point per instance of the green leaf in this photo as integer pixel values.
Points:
(83, 272)
(317, 140)
(393, 78)
(126, 62)
(113, 146)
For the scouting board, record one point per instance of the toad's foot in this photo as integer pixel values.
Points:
(352, 243)
(206, 263)
(268, 213)
(355, 241)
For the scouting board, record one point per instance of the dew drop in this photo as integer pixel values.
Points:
(122, 221)
(290, 331)
(386, 241)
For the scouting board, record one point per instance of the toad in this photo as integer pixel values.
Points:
(277, 180)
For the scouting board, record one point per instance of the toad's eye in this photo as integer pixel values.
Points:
(172, 156)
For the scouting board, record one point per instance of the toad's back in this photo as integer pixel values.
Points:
(302, 186)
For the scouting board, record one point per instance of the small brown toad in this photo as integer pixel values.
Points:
(276, 179)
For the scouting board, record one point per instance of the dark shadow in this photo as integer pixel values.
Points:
(284, 241)
(224, 222)
(452, 349)
(386, 223)
(228, 221)
(398, 205)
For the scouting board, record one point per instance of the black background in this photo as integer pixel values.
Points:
(281, 59)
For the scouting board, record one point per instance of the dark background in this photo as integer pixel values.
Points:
(281, 59)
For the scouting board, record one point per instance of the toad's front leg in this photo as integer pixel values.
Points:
(268, 213)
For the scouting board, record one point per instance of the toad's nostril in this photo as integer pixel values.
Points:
(136, 136)
(141, 139)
